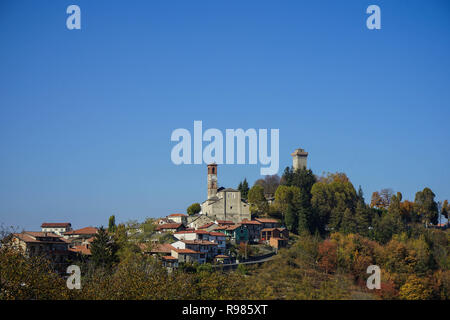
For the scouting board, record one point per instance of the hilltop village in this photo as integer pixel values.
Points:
(224, 232)
(300, 236)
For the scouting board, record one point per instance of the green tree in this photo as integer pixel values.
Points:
(303, 179)
(112, 223)
(395, 205)
(445, 209)
(425, 207)
(258, 203)
(244, 189)
(104, 249)
(331, 196)
(385, 226)
(348, 224)
(194, 209)
(362, 218)
(291, 218)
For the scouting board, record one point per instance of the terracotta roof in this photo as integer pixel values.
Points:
(221, 228)
(31, 236)
(55, 225)
(217, 234)
(169, 258)
(42, 234)
(157, 248)
(87, 230)
(81, 249)
(245, 221)
(233, 227)
(267, 220)
(177, 215)
(225, 222)
(25, 237)
(221, 256)
(185, 251)
(268, 229)
(169, 226)
(206, 225)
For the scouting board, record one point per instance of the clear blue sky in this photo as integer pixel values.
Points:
(86, 116)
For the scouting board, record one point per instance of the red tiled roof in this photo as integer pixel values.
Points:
(31, 236)
(177, 215)
(87, 230)
(169, 226)
(225, 222)
(245, 221)
(81, 249)
(233, 227)
(267, 220)
(24, 237)
(42, 234)
(221, 228)
(221, 256)
(206, 225)
(55, 225)
(157, 248)
(169, 258)
(217, 234)
(185, 251)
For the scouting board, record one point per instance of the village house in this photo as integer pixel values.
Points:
(275, 237)
(220, 239)
(237, 233)
(198, 220)
(78, 236)
(56, 227)
(221, 223)
(169, 262)
(178, 218)
(210, 226)
(268, 233)
(46, 244)
(208, 248)
(169, 227)
(278, 242)
(188, 256)
(164, 221)
(268, 222)
(192, 235)
(213, 236)
(83, 250)
(254, 229)
(156, 249)
(222, 259)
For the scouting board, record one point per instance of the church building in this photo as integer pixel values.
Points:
(224, 203)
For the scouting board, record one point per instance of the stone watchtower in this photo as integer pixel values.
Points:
(299, 157)
(212, 180)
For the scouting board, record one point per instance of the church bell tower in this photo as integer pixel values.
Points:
(212, 180)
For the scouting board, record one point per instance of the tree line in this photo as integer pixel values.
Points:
(309, 204)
